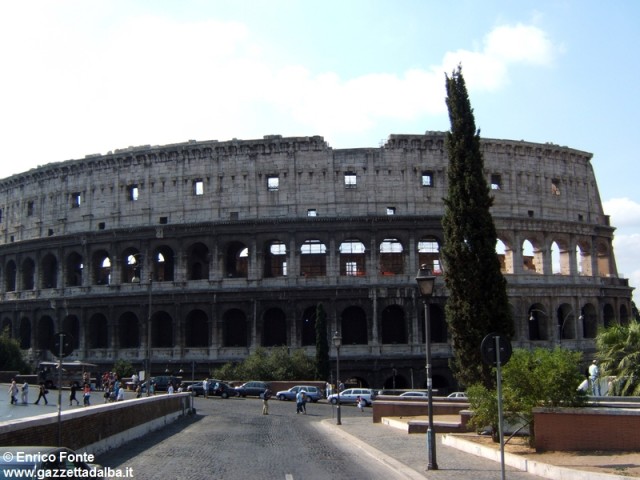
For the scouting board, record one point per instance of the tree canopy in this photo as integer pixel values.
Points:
(618, 350)
(11, 358)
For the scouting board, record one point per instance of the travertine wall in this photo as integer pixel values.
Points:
(203, 220)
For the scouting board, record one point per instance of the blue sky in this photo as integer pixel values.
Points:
(84, 77)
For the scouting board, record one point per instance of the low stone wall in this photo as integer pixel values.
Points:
(582, 429)
(97, 428)
(394, 406)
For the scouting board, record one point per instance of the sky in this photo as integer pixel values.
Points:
(80, 77)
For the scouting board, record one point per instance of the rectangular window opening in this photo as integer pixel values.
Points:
(496, 182)
(164, 220)
(133, 193)
(312, 212)
(76, 200)
(555, 186)
(273, 183)
(350, 180)
(29, 208)
(391, 210)
(427, 179)
(198, 187)
(101, 226)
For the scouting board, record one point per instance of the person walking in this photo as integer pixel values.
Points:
(300, 402)
(13, 392)
(42, 393)
(361, 403)
(25, 393)
(86, 395)
(594, 378)
(266, 396)
(72, 395)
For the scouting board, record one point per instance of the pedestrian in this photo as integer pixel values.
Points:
(86, 395)
(340, 387)
(170, 389)
(300, 402)
(120, 395)
(72, 395)
(138, 391)
(42, 393)
(25, 393)
(205, 387)
(13, 392)
(594, 378)
(327, 389)
(265, 401)
(361, 403)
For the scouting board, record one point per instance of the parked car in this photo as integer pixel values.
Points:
(457, 395)
(215, 388)
(313, 393)
(350, 395)
(252, 389)
(161, 382)
(45, 462)
(415, 394)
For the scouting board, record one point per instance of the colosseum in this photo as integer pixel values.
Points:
(194, 254)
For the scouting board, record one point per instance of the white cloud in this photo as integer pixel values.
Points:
(624, 212)
(625, 217)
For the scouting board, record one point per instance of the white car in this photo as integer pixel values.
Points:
(350, 395)
(415, 394)
(457, 395)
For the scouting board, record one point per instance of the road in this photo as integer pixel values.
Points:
(231, 439)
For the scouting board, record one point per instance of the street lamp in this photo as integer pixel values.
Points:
(134, 259)
(337, 341)
(426, 282)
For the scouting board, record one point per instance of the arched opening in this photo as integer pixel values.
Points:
(352, 258)
(129, 330)
(28, 274)
(609, 316)
(394, 329)
(589, 321)
(624, 315)
(532, 258)
(538, 322)
(235, 328)
(313, 259)
(197, 329)
(98, 332)
(391, 257)
(236, 263)
(604, 260)
(198, 262)
(49, 266)
(71, 325)
(44, 332)
(566, 322)
(353, 326)
(274, 328)
(429, 254)
(161, 330)
(132, 266)
(437, 323)
(25, 333)
(309, 326)
(101, 268)
(74, 268)
(275, 259)
(163, 264)
(10, 273)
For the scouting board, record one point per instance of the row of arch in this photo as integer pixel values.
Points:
(236, 328)
(312, 259)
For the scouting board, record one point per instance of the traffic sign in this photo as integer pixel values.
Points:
(62, 345)
(489, 348)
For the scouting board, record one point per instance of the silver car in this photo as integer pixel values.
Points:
(351, 395)
(313, 393)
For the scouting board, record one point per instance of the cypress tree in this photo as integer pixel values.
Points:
(477, 304)
(322, 345)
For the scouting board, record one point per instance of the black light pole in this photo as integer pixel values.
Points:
(337, 341)
(426, 282)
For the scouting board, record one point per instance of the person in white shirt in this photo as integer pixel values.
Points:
(594, 378)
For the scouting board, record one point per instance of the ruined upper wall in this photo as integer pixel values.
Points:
(226, 181)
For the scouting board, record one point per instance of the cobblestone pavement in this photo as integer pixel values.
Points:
(230, 439)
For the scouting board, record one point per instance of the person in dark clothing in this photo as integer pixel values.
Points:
(72, 395)
(42, 393)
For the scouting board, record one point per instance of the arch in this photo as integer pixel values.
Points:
(6, 327)
(589, 321)
(532, 258)
(274, 331)
(44, 332)
(313, 258)
(163, 264)
(49, 275)
(505, 256)
(73, 270)
(396, 382)
(583, 258)
(235, 328)
(162, 330)
(236, 263)
(560, 257)
(393, 325)
(275, 259)
(538, 322)
(198, 261)
(437, 323)
(353, 326)
(132, 266)
(97, 332)
(10, 276)
(604, 259)
(565, 319)
(352, 258)
(608, 315)
(391, 257)
(101, 264)
(196, 329)
(71, 325)
(308, 329)
(429, 254)
(129, 330)
(25, 333)
(624, 315)
(28, 274)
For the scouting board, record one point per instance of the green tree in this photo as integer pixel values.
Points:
(538, 378)
(123, 368)
(618, 350)
(323, 367)
(11, 358)
(267, 365)
(477, 304)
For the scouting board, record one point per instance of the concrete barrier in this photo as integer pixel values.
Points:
(394, 406)
(98, 428)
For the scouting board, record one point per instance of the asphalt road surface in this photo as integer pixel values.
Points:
(231, 439)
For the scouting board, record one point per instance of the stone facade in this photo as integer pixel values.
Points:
(197, 253)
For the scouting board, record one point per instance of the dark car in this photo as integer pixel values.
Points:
(215, 388)
(47, 462)
(161, 382)
(252, 389)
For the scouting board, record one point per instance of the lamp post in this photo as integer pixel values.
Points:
(426, 282)
(134, 259)
(337, 341)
